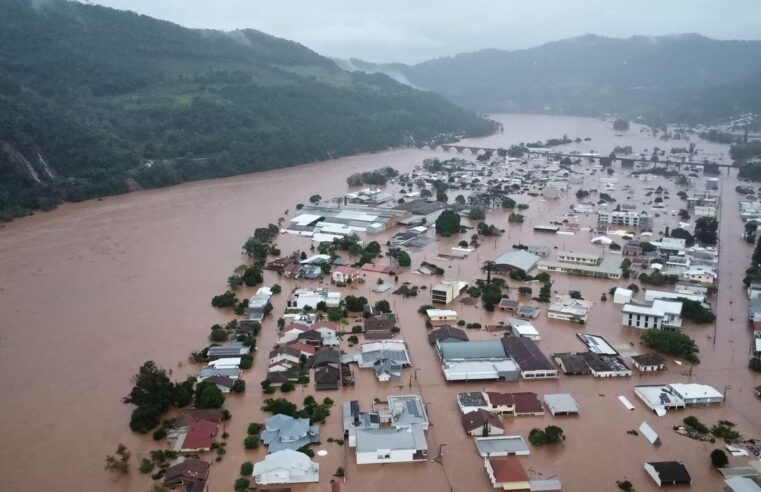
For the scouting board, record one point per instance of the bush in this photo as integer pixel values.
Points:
(208, 395)
(159, 434)
(719, 458)
(242, 484)
(339, 472)
(144, 419)
(625, 485)
(755, 364)
(246, 468)
(307, 451)
(693, 423)
(725, 430)
(246, 361)
(251, 442)
(239, 386)
(146, 465)
(353, 339)
(287, 387)
(551, 434)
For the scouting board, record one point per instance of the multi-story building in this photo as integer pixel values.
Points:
(622, 218)
(660, 315)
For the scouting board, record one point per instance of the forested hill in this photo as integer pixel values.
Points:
(95, 101)
(686, 77)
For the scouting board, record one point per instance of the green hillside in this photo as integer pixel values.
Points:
(89, 95)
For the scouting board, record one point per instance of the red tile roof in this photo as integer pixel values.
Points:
(200, 435)
(295, 326)
(478, 418)
(302, 347)
(527, 402)
(508, 469)
(324, 324)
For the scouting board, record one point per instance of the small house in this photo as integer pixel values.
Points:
(482, 423)
(650, 362)
(668, 473)
(507, 473)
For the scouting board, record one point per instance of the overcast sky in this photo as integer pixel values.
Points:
(416, 30)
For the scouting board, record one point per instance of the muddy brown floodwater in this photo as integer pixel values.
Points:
(90, 291)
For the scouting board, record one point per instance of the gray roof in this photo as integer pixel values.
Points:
(561, 403)
(526, 354)
(520, 259)
(285, 432)
(369, 358)
(233, 349)
(369, 440)
(480, 349)
(501, 446)
(208, 372)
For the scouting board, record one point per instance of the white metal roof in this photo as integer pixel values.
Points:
(694, 390)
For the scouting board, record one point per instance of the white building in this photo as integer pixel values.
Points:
(661, 315)
(524, 328)
(694, 394)
(300, 298)
(622, 296)
(622, 218)
(580, 258)
(391, 445)
(701, 274)
(286, 466)
(442, 316)
(568, 309)
(446, 291)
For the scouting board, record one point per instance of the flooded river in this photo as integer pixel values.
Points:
(90, 291)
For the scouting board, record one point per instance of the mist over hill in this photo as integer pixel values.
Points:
(687, 77)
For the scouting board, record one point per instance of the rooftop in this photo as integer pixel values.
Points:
(369, 440)
(508, 469)
(526, 354)
(519, 259)
(561, 403)
(501, 446)
(478, 418)
(473, 350)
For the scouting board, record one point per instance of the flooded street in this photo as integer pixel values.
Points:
(90, 291)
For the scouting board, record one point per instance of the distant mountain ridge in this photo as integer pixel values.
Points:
(657, 77)
(96, 101)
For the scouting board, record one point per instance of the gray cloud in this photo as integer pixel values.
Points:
(413, 31)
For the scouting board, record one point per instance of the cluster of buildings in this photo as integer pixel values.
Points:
(507, 359)
(391, 432)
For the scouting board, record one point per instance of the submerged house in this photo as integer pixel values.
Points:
(286, 466)
(285, 432)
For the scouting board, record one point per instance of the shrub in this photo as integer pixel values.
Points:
(159, 434)
(239, 386)
(242, 484)
(287, 387)
(693, 423)
(246, 469)
(719, 458)
(254, 428)
(146, 465)
(246, 361)
(251, 442)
